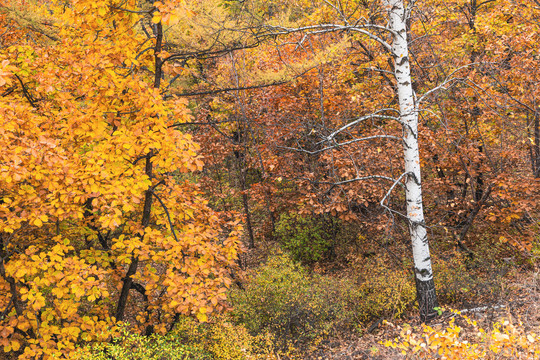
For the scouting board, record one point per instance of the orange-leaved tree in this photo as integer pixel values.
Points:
(100, 220)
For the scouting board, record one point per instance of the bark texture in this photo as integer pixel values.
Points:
(427, 298)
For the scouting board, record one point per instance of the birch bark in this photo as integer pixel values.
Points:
(425, 287)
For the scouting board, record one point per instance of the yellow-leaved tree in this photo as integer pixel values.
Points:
(100, 219)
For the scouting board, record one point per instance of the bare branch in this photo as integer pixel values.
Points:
(201, 123)
(168, 215)
(26, 93)
(370, 177)
(398, 181)
(337, 145)
(339, 11)
(149, 11)
(325, 28)
(367, 138)
(364, 118)
(209, 53)
(249, 87)
(449, 79)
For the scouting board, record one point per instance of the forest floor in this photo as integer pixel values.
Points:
(520, 302)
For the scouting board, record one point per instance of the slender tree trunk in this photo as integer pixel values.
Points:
(241, 171)
(536, 151)
(147, 210)
(248, 217)
(427, 299)
(128, 280)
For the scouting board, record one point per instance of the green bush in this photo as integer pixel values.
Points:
(380, 290)
(306, 239)
(190, 340)
(296, 308)
(462, 279)
(131, 346)
(282, 299)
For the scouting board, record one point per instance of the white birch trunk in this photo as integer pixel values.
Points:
(427, 299)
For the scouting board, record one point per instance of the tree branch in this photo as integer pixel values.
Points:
(167, 213)
(398, 181)
(237, 88)
(325, 28)
(26, 93)
(364, 118)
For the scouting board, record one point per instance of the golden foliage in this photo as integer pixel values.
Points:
(93, 193)
(506, 339)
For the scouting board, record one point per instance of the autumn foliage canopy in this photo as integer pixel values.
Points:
(137, 136)
(96, 197)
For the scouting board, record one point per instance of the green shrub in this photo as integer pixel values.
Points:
(452, 278)
(297, 308)
(306, 239)
(131, 346)
(460, 278)
(283, 300)
(190, 340)
(381, 290)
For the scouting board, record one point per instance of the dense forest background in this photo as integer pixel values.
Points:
(219, 179)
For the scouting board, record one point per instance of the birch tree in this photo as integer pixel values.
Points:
(388, 27)
(427, 299)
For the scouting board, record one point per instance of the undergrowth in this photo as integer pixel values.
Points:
(190, 340)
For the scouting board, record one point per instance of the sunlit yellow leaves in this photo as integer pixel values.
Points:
(74, 184)
(156, 18)
(202, 317)
(504, 338)
(102, 11)
(13, 345)
(40, 220)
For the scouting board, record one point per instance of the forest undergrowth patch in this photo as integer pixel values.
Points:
(312, 312)
(507, 328)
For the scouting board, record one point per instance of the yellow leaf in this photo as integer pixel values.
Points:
(202, 317)
(24, 325)
(15, 345)
(156, 18)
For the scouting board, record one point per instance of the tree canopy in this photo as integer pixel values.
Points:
(145, 143)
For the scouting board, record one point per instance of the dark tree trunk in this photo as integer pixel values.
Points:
(145, 221)
(248, 219)
(536, 146)
(241, 171)
(427, 299)
(147, 210)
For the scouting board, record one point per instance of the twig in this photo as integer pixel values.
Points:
(167, 213)
(482, 308)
